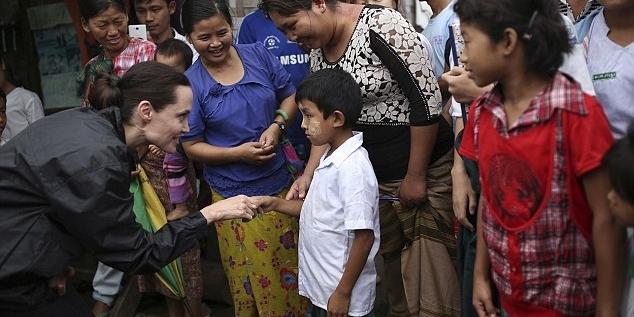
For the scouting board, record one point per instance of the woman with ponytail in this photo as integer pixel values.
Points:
(64, 187)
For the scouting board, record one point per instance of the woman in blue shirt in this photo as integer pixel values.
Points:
(243, 98)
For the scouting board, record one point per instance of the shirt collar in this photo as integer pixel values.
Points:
(342, 152)
(590, 7)
(561, 93)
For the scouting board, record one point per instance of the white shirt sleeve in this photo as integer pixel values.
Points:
(33, 109)
(358, 192)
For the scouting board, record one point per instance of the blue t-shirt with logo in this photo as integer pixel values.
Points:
(437, 32)
(256, 27)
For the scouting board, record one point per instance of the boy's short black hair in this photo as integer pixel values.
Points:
(3, 96)
(174, 47)
(332, 89)
(620, 168)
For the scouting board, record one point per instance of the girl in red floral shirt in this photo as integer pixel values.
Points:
(545, 234)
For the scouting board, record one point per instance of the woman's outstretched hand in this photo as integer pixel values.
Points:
(237, 207)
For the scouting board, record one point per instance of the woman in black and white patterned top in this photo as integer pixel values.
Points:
(408, 140)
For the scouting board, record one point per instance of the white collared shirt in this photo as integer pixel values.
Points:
(611, 67)
(23, 108)
(343, 197)
(182, 38)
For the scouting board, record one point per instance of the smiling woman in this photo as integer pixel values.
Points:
(107, 21)
(243, 98)
(74, 193)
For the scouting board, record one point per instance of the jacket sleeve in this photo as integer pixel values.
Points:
(94, 205)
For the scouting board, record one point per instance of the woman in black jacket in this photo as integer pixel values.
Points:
(64, 187)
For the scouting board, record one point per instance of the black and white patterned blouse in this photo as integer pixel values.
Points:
(384, 101)
(387, 58)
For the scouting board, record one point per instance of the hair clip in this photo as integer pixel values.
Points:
(527, 34)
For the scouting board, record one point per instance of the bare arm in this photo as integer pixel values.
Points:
(339, 301)
(289, 207)
(300, 187)
(463, 196)
(482, 296)
(608, 237)
(413, 189)
(272, 134)
(250, 152)
(199, 150)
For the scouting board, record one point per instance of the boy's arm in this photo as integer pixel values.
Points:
(608, 237)
(289, 207)
(339, 301)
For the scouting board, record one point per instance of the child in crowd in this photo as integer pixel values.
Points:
(621, 172)
(610, 50)
(544, 218)
(437, 32)
(174, 53)
(339, 223)
(23, 107)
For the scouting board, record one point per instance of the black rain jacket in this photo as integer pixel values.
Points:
(64, 187)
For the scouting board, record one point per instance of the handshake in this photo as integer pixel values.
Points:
(247, 208)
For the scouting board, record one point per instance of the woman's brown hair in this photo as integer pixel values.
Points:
(151, 81)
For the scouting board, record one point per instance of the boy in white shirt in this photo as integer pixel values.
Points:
(339, 220)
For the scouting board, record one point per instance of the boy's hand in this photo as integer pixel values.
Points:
(300, 187)
(265, 203)
(338, 304)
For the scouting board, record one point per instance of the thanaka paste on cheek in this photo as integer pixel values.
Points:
(314, 128)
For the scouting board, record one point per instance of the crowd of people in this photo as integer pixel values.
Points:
(487, 161)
